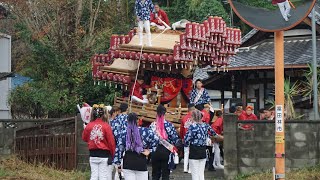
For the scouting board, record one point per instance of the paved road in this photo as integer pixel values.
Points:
(209, 175)
(271, 19)
(178, 174)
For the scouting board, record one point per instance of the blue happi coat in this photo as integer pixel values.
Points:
(144, 10)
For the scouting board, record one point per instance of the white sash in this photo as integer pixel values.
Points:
(198, 95)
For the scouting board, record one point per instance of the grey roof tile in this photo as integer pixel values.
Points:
(297, 52)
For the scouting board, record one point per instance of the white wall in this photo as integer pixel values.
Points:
(5, 66)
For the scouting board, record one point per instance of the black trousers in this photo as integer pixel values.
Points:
(160, 160)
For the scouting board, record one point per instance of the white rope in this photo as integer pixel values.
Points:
(135, 81)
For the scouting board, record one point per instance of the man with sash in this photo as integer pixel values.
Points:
(199, 95)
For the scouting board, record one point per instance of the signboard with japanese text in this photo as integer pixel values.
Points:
(279, 118)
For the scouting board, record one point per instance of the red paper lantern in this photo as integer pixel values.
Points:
(151, 59)
(157, 60)
(120, 78)
(127, 39)
(207, 28)
(126, 80)
(222, 26)
(183, 41)
(122, 55)
(138, 56)
(202, 32)
(213, 24)
(170, 61)
(163, 60)
(99, 75)
(110, 76)
(114, 42)
(237, 35)
(122, 39)
(127, 55)
(114, 54)
(224, 30)
(133, 55)
(176, 54)
(104, 76)
(195, 33)
(189, 30)
(115, 78)
(217, 23)
(144, 57)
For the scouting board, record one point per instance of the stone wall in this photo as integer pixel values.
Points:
(82, 148)
(253, 151)
(6, 140)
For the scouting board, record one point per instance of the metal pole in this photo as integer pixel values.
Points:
(279, 92)
(314, 66)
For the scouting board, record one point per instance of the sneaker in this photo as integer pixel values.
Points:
(286, 19)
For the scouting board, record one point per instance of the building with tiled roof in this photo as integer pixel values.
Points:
(251, 71)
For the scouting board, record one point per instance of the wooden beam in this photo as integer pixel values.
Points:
(146, 49)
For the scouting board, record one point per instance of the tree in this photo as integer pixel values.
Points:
(61, 36)
(307, 85)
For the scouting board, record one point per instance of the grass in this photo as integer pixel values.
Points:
(310, 173)
(13, 168)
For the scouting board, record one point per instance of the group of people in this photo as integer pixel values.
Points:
(147, 12)
(248, 114)
(117, 141)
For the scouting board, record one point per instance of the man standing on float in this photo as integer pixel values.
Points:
(143, 9)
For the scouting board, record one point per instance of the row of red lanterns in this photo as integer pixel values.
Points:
(182, 59)
(117, 40)
(118, 79)
(209, 41)
(212, 31)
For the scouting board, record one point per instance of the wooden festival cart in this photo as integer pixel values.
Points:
(167, 65)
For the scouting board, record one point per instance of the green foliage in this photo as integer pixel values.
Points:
(196, 10)
(61, 44)
(61, 70)
(291, 90)
(199, 11)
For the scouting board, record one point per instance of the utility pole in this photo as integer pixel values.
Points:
(314, 66)
(279, 123)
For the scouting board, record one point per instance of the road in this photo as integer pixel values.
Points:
(271, 19)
